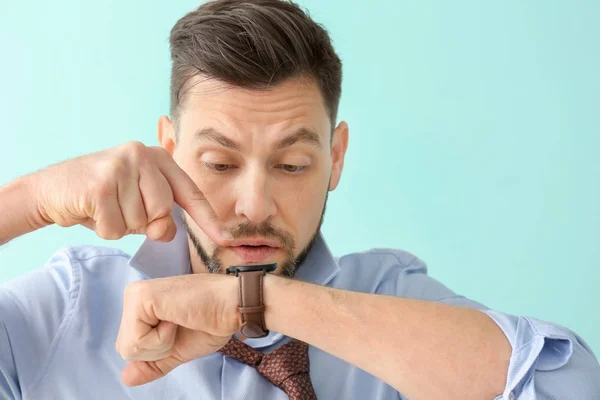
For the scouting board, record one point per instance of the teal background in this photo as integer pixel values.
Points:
(475, 132)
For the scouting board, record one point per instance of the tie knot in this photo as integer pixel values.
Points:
(286, 367)
(241, 352)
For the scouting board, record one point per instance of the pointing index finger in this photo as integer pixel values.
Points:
(192, 200)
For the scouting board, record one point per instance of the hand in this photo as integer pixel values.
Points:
(124, 190)
(167, 322)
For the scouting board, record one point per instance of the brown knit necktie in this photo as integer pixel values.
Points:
(285, 367)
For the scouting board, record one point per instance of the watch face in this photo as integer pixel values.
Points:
(246, 268)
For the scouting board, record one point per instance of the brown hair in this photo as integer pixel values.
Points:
(253, 44)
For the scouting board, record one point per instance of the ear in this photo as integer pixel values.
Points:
(338, 153)
(166, 134)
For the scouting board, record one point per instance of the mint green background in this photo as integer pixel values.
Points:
(475, 132)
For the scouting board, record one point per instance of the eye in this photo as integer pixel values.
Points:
(218, 167)
(291, 168)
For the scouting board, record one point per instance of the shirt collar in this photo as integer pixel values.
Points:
(161, 260)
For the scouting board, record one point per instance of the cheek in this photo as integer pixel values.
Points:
(301, 205)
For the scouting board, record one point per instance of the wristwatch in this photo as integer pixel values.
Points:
(251, 306)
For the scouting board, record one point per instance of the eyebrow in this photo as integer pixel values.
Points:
(211, 135)
(303, 135)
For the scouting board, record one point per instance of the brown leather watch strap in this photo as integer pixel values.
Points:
(251, 307)
(252, 316)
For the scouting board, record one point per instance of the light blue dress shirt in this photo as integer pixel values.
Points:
(59, 325)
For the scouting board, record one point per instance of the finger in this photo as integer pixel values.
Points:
(142, 372)
(160, 339)
(158, 200)
(191, 344)
(156, 344)
(130, 201)
(137, 320)
(192, 200)
(156, 193)
(109, 220)
(162, 230)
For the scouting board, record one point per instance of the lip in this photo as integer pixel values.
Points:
(254, 242)
(254, 254)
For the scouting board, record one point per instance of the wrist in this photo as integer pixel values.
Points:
(275, 298)
(35, 215)
(34, 184)
(293, 306)
(18, 214)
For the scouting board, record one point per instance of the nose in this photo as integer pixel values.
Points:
(254, 200)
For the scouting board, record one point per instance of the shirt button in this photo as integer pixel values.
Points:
(511, 396)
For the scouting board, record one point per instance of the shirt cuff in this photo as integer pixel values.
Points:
(538, 346)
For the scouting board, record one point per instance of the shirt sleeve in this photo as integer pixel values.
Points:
(32, 308)
(548, 361)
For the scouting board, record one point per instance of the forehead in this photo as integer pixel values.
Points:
(292, 104)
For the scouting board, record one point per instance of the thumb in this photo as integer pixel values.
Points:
(190, 344)
(141, 372)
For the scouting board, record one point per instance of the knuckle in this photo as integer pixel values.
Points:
(136, 290)
(113, 167)
(133, 149)
(162, 210)
(103, 182)
(103, 188)
(133, 153)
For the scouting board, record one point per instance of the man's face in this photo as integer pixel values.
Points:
(265, 160)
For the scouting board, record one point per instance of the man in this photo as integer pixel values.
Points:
(241, 180)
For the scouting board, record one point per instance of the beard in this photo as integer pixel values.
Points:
(290, 264)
